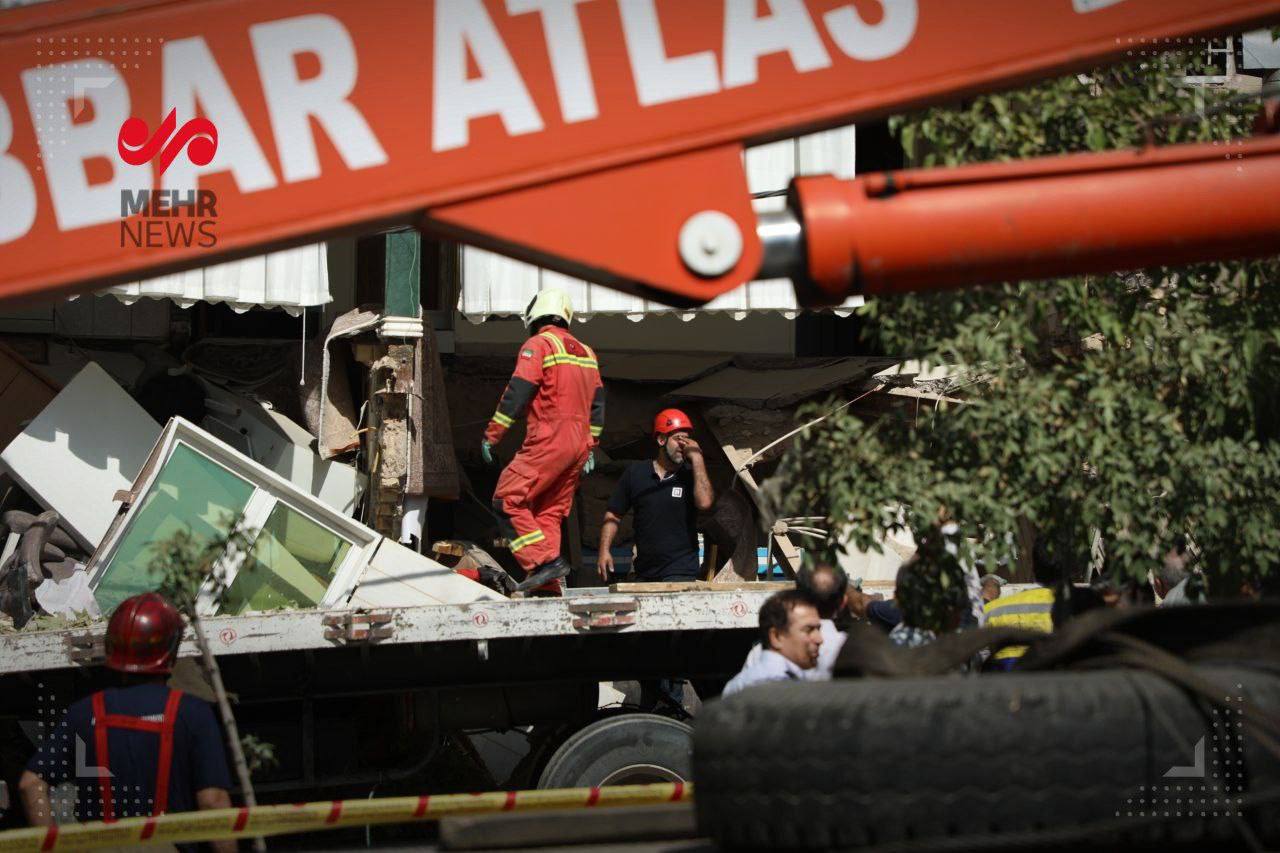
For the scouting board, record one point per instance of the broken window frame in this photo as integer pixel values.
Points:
(269, 491)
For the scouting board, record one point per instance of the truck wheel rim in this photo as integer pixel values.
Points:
(640, 774)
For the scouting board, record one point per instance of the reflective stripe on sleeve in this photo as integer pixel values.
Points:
(527, 539)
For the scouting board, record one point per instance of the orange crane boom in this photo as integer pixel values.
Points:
(1052, 216)
(601, 138)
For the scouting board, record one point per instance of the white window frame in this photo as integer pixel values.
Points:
(270, 489)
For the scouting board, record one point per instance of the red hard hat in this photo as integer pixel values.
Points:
(671, 420)
(143, 635)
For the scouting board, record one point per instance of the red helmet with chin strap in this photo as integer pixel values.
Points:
(143, 635)
(671, 420)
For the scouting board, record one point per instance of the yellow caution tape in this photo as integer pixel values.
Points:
(309, 817)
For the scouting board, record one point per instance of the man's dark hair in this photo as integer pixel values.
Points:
(776, 611)
(826, 585)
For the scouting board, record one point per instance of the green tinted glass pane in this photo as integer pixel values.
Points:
(293, 562)
(192, 492)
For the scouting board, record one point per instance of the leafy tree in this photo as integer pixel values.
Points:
(1140, 405)
(182, 563)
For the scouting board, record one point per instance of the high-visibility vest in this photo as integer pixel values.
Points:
(1031, 609)
(104, 722)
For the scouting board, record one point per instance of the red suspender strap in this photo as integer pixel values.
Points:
(165, 764)
(100, 755)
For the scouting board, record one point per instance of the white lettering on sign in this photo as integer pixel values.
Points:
(17, 190)
(747, 38)
(292, 103)
(868, 42)
(191, 77)
(1086, 6)
(94, 88)
(660, 78)
(569, 65)
(499, 90)
(77, 147)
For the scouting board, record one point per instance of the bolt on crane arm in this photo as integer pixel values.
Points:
(599, 138)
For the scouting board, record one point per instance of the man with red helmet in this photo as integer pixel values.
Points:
(557, 380)
(667, 495)
(139, 749)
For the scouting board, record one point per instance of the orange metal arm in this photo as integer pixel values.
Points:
(929, 229)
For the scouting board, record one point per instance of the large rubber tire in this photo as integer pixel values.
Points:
(994, 760)
(629, 749)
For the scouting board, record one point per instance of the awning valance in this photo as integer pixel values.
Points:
(293, 279)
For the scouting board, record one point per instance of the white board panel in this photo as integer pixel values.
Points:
(86, 445)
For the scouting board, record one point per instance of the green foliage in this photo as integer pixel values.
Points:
(931, 589)
(258, 754)
(1142, 405)
(184, 560)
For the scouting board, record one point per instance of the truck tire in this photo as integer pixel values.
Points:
(943, 763)
(629, 749)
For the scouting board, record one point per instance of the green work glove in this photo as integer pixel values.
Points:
(590, 464)
(486, 452)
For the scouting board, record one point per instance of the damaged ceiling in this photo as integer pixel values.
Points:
(776, 384)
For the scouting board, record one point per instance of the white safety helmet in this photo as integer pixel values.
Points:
(549, 303)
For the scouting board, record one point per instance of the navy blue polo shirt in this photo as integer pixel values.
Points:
(666, 521)
(68, 753)
(885, 615)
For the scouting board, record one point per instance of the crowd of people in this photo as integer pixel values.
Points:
(803, 630)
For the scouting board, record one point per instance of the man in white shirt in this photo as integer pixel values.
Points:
(826, 585)
(791, 638)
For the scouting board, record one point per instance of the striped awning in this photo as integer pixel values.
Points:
(293, 279)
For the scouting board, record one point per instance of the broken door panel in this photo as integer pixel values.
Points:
(293, 562)
(301, 553)
(191, 492)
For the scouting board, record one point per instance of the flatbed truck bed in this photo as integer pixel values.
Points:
(355, 700)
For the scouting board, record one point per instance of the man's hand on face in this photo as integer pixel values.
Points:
(604, 564)
(687, 444)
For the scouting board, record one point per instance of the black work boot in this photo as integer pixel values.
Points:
(545, 573)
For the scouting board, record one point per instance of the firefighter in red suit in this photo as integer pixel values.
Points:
(137, 749)
(557, 380)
